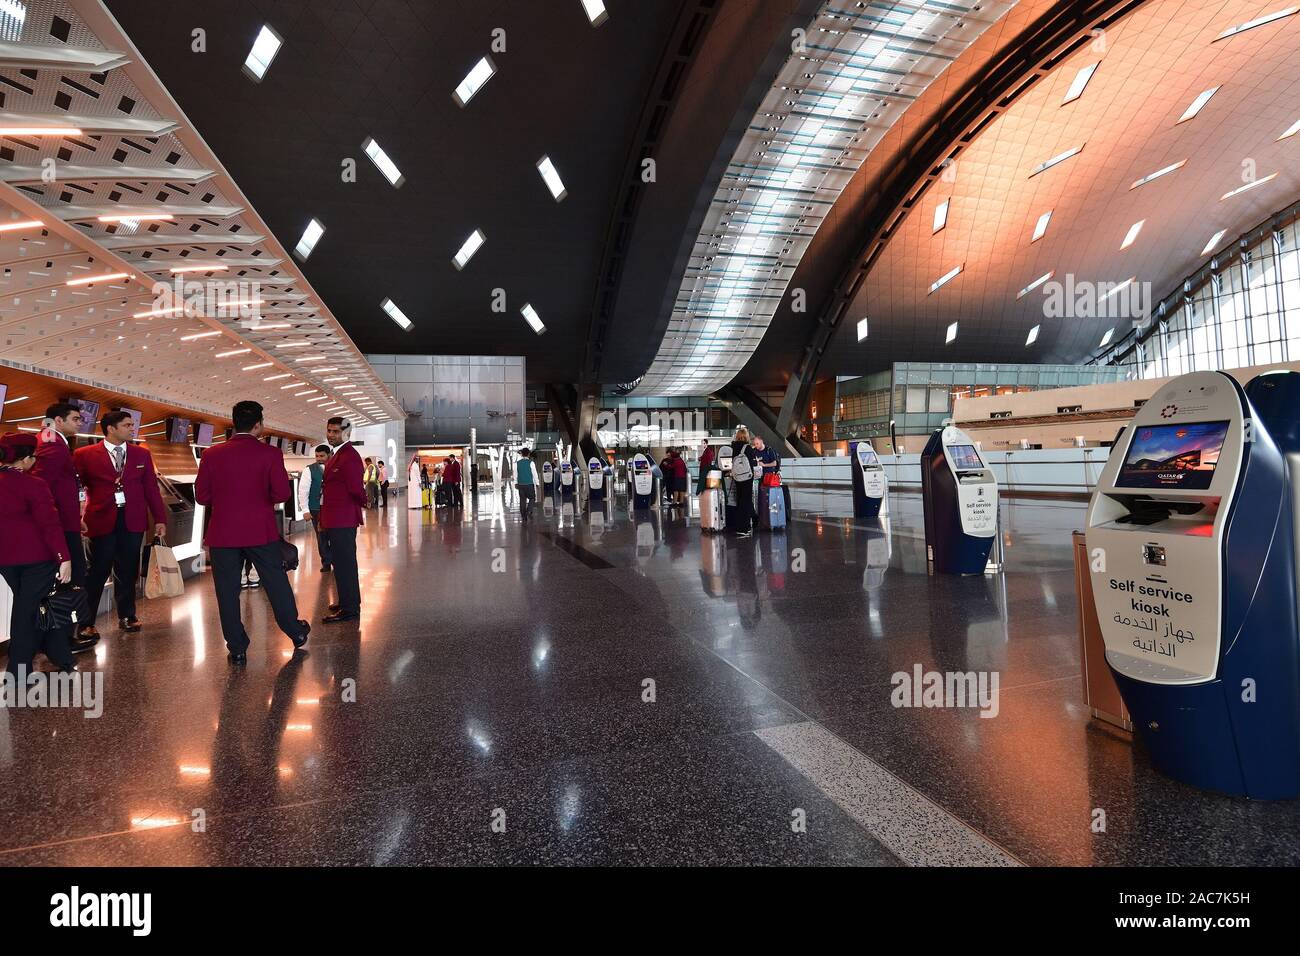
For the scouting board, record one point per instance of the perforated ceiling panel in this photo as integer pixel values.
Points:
(212, 309)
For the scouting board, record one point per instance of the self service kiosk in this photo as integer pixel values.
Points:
(1191, 543)
(960, 497)
(595, 480)
(548, 478)
(566, 479)
(644, 493)
(869, 483)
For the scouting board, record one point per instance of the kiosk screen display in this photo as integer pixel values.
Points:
(868, 458)
(1173, 456)
(640, 467)
(963, 457)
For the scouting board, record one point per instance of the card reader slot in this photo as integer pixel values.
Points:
(1145, 511)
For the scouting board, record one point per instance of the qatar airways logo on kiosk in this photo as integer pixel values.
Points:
(215, 298)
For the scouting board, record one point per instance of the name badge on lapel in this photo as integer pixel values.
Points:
(119, 497)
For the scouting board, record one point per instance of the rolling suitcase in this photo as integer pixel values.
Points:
(426, 497)
(712, 512)
(771, 504)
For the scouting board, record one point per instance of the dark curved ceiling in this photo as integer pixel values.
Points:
(350, 69)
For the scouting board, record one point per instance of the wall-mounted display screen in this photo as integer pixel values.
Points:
(963, 457)
(178, 431)
(4, 394)
(204, 436)
(1173, 456)
(89, 413)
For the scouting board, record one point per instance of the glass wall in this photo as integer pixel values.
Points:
(1242, 308)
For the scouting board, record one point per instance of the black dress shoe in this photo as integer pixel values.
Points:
(83, 645)
(129, 624)
(88, 634)
(301, 639)
(339, 617)
(240, 658)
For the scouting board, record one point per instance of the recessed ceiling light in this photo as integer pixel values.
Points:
(1258, 22)
(533, 319)
(1197, 105)
(200, 335)
(291, 385)
(596, 12)
(137, 217)
(310, 236)
(1118, 289)
(1055, 160)
(396, 314)
(952, 333)
(467, 250)
(940, 216)
(1105, 339)
(1213, 243)
(382, 162)
(1290, 131)
(153, 315)
(1040, 228)
(862, 328)
(182, 270)
(482, 72)
(310, 391)
(1250, 185)
(273, 378)
(1033, 336)
(1133, 231)
(292, 345)
(551, 177)
(946, 278)
(341, 378)
(232, 352)
(311, 358)
(265, 47)
(39, 131)
(25, 224)
(107, 277)
(250, 368)
(1035, 284)
(1080, 82)
(1158, 173)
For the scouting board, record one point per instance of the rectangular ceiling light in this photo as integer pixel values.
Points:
(467, 250)
(182, 270)
(1040, 228)
(106, 277)
(31, 224)
(1105, 339)
(474, 80)
(1290, 131)
(1035, 284)
(1080, 83)
(1250, 185)
(1258, 22)
(533, 319)
(232, 352)
(1133, 231)
(274, 378)
(341, 378)
(551, 177)
(862, 329)
(1056, 160)
(137, 217)
(290, 385)
(1118, 289)
(153, 315)
(596, 12)
(251, 368)
(310, 391)
(940, 216)
(39, 131)
(382, 162)
(1197, 105)
(1213, 243)
(946, 278)
(396, 314)
(200, 335)
(1158, 173)
(310, 236)
(952, 333)
(292, 345)
(265, 47)
(1033, 336)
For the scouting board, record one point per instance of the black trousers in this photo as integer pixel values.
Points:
(343, 549)
(78, 553)
(457, 501)
(227, 564)
(744, 506)
(383, 494)
(322, 540)
(117, 552)
(29, 584)
(527, 495)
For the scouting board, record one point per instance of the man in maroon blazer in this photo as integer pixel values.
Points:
(241, 482)
(121, 493)
(54, 466)
(343, 498)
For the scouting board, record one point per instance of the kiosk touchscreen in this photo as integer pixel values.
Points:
(548, 476)
(595, 479)
(1191, 541)
(960, 497)
(643, 482)
(869, 483)
(566, 479)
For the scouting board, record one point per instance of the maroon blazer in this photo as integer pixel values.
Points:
(242, 481)
(451, 473)
(342, 492)
(29, 523)
(54, 467)
(139, 481)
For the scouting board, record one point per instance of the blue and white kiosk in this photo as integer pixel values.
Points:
(566, 479)
(1191, 539)
(960, 498)
(548, 478)
(644, 493)
(596, 489)
(870, 486)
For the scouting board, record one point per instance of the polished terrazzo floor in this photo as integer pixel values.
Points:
(491, 707)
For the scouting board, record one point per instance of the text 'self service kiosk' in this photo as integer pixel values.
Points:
(960, 496)
(869, 484)
(1191, 543)
(548, 477)
(595, 479)
(643, 482)
(566, 479)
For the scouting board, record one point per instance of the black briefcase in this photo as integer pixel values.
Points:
(288, 555)
(64, 608)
